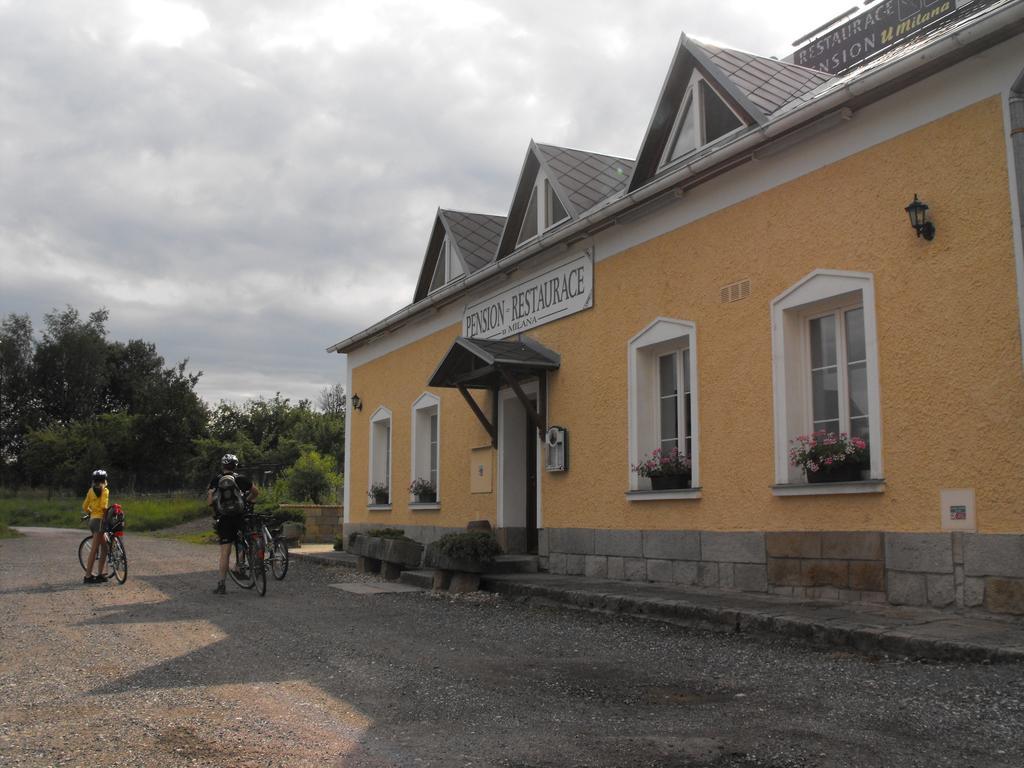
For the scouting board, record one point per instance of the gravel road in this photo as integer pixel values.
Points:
(161, 672)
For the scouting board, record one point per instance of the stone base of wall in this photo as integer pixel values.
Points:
(323, 521)
(938, 570)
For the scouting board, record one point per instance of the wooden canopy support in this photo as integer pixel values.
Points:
(492, 428)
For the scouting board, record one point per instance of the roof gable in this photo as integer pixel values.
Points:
(473, 238)
(754, 87)
(580, 180)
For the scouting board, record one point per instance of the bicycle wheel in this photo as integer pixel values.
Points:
(259, 573)
(279, 560)
(83, 551)
(118, 560)
(238, 566)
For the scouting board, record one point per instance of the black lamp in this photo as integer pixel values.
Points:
(918, 213)
(357, 404)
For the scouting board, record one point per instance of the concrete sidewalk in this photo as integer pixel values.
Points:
(923, 633)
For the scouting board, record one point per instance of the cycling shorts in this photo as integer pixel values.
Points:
(227, 527)
(95, 525)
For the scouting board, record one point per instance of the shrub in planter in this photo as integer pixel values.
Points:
(379, 493)
(472, 546)
(423, 490)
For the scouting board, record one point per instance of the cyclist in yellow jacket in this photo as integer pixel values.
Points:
(95, 505)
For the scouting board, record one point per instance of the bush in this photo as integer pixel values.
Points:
(477, 546)
(339, 543)
(312, 478)
(380, 533)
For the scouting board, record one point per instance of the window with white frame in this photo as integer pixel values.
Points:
(703, 118)
(448, 266)
(543, 211)
(825, 364)
(663, 394)
(426, 440)
(380, 449)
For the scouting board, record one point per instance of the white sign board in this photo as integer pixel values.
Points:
(559, 292)
(957, 506)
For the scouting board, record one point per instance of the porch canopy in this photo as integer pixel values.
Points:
(491, 364)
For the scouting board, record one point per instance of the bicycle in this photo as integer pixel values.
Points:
(113, 531)
(275, 549)
(246, 565)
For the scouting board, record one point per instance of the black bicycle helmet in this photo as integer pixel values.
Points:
(229, 461)
(99, 475)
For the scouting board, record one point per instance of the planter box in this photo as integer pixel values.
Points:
(394, 554)
(837, 473)
(669, 482)
(292, 531)
(435, 559)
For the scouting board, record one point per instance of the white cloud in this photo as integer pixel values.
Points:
(164, 23)
(153, 152)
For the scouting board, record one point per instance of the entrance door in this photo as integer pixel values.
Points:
(531, 486)
(519, 511)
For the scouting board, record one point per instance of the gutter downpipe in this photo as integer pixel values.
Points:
(743, 144)
(1016, 105)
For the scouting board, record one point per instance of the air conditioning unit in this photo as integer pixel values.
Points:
(556, 441)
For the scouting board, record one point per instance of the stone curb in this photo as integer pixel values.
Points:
(785, 621)
(343, 559)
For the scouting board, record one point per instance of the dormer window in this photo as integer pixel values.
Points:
(703, 118)
(541, 217)
(448, 267)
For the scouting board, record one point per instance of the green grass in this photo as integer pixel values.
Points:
(207, 537)
(140, 513)
(7, 533)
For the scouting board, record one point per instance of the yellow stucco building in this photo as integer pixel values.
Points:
(751, 277)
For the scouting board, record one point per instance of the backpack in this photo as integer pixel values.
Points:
(228, 499)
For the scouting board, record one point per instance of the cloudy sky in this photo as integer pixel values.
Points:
(246, 182)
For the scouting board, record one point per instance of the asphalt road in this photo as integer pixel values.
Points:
(161, 672)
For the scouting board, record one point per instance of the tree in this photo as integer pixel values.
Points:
(70, 366)
(312, 478)
(332, 400)
(18, 407)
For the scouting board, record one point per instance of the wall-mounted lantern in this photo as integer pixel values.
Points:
(918, 213)
(357, 404)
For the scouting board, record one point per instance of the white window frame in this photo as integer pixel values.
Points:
(426, 405)
(380, 450)
(694, 96)
(821, 292)
(544, 189)
(663, 336)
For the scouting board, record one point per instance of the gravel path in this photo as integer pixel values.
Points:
(160, 672)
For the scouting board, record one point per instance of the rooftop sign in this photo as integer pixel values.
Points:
(559, 292)
(879, 27)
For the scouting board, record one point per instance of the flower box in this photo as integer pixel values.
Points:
(669, 482)
(424, 491)
(845, 472)
(828, 457)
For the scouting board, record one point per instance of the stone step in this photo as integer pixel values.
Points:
(423, 578)
(514, 564)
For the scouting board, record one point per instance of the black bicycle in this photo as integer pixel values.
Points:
(246, 565)
(113, 532)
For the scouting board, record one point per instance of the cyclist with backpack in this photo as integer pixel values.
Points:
(95, 505)
(228, 494)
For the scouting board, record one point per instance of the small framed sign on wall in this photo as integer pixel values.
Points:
(957, 509)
